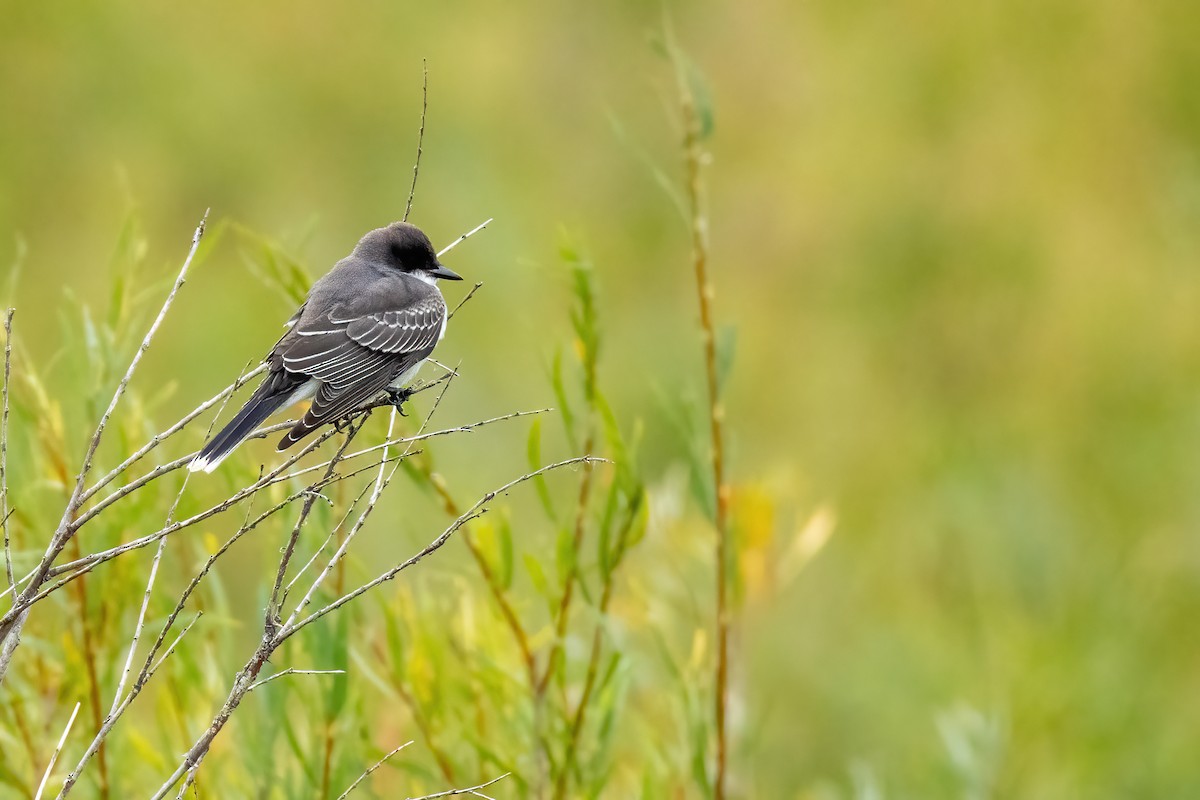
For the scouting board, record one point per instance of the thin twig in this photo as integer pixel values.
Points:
(412, 190)
(353, 504)
(162, 545)
(291, 671)
(85, 565)
(111, 720)
(248, 673)
(371, 769)
(472, 790)
(159, 438)
(244, 681)
(62, 740)
(188, 783)
(452, 509)
(272, 611)
(381, 482)
(141, 621)
(4, 512)
(471, 513)
(10, 629)
(277, 475)
(463, 302)
(149, 669)
(464, 237)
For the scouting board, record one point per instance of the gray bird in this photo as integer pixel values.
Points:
(365, 329)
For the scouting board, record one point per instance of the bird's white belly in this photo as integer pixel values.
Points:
(308, 389)
(407, 376)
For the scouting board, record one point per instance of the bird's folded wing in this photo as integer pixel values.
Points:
(357, 358)
(415, 328)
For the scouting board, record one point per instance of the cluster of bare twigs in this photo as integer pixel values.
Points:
(283, 618)
(563, 685)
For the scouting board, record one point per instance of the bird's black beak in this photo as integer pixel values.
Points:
(445, 273)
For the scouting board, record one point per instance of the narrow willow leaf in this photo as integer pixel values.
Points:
(505, 537)
(560, 395)
(533, 453)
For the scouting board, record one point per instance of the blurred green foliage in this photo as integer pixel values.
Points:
(959, 248)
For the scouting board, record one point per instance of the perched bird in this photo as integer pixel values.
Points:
(365, 329)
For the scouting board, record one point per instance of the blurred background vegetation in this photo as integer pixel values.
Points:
(959, 248)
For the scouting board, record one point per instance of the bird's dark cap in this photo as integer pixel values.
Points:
(405, 247)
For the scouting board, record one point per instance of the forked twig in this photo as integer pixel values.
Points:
(10, 628)
(471, 513)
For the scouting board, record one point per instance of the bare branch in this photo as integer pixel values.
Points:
(470, 514)
(311, 494)
(162, 544)
(159, 438)
(463, 302)
(371, 769)
(353, 504)
(10, 627)
(85, 565)
(133, 364)
(464, 237)
(114, 715)
(471, 790)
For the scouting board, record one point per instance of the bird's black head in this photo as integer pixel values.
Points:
(404, 247)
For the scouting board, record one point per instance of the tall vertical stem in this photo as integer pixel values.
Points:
(693, 162)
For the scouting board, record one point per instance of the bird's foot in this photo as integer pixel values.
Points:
(397, 398)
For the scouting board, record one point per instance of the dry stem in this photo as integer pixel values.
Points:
(694, 157)
(4, 512)
(412, 190)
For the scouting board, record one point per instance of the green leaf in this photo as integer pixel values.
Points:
(560, 395)
(504, 534)
(533, 452)
(537, 575)
(130, 250)
(697, 86)
(661, 179)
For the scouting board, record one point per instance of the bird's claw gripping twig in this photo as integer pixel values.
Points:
(397, 398)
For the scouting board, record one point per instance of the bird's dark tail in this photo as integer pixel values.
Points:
(265, 401)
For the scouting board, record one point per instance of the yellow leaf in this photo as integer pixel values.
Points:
(807, 543)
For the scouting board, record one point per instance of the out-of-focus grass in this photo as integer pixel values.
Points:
(959, 246)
